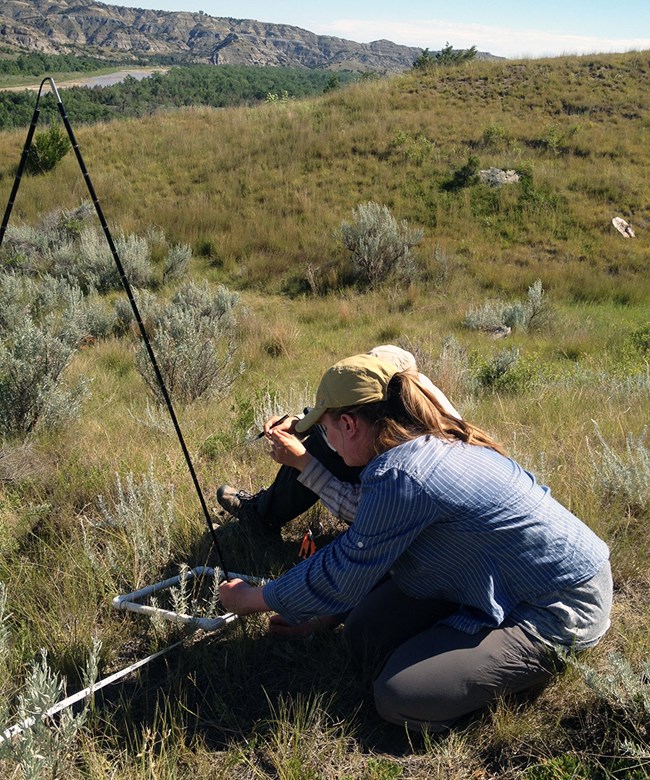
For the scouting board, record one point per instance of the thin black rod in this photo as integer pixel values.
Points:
(127, 288)
(20, 169)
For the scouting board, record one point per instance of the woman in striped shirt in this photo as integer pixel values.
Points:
(459, 572)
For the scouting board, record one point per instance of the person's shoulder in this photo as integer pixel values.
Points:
(403, 456)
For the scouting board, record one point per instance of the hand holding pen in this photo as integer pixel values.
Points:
(273, 424)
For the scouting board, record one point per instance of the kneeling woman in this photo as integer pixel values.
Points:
(465, 576)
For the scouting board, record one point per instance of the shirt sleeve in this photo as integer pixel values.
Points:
(341, 498)
(393, 511)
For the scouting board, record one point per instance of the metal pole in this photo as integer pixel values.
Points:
(21, 168)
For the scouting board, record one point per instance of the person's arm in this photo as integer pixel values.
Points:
(393, 511)
(341, 498)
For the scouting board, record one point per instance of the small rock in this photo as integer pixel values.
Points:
(623, 228)
(495, 177)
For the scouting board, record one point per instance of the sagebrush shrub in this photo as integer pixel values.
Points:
(378, 243)
(627, 691)
(4, 652)
(148, 305)
(89, 261)
(194, 345)
(65, 246)
(278, 402)
(45, 748)
(193, 363)
(54, 303)
(133, 538)
(494, 316)
(31, 390)
(623, 476)
(213, 310)
(177, 262)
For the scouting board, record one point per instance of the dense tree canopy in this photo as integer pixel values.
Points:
(205, 85)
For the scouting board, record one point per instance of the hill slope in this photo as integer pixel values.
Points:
(80, 25)
(261, 191)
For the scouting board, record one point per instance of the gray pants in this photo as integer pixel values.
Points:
(435, 674)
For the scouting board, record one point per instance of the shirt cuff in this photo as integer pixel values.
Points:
(314, 476)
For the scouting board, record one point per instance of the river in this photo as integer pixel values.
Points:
(104, 80)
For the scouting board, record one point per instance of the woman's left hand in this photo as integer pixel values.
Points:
(288, 450)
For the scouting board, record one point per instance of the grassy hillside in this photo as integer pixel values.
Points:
(260, 191)
(259, 195)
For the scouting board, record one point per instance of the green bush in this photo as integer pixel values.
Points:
(47, 150)
(641, 339)
(465, 176)
(495, 135)
(379, 244)
(504, 373)
(446, 57)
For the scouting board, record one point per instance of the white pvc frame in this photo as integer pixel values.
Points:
(130, 601)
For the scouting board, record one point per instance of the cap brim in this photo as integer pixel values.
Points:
(311, 418)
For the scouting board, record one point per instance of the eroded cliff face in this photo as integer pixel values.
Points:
(65, 26)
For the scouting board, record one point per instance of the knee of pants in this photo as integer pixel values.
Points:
(394, 708)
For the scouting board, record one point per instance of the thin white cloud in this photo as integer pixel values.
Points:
(502, 41)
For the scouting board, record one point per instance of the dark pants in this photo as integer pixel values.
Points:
(286, 498)
(433, 674)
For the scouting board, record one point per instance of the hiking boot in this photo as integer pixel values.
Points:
(236, 502)
(242, 505)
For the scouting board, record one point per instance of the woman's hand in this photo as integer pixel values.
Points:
(287, 450)
(279, 628)
(241, 598)
(287, 424)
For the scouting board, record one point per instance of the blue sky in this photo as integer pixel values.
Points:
(509, 28)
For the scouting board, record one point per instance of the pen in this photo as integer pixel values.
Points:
(277, 422)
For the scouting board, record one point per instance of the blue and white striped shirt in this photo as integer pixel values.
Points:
(450, 521)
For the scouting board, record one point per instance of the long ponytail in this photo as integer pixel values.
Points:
(411, 410)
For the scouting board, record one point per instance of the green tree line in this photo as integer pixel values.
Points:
(38, 63)
(205, 85)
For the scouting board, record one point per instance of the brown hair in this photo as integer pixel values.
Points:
(411, 411)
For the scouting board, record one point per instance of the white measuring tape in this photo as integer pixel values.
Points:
(129, 602)
(65, 703)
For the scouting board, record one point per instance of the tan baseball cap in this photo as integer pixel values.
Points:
(360, 379)
(389, 353)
